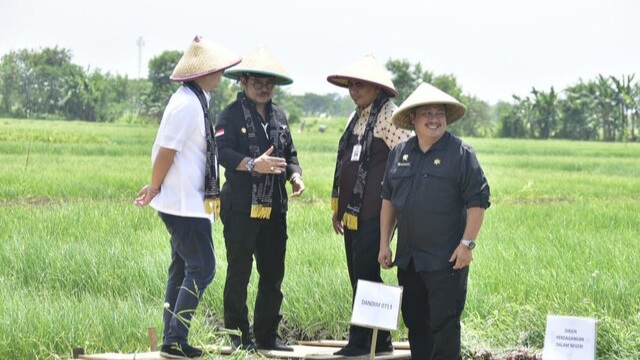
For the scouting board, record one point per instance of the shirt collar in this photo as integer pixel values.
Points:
(364, 113)
(439, 145)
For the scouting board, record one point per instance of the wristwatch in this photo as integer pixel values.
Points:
(249, 165)
(469, 243)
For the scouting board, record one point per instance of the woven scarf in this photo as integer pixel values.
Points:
(350, 218)
(262, 184)
(211, 178)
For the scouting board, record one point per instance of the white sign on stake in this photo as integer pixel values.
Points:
(570, 338)
(376, 305)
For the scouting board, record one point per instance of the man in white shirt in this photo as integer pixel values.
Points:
(184, 188)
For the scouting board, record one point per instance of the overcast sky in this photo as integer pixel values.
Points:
(495, 48)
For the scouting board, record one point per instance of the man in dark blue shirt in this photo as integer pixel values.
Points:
(436, 193)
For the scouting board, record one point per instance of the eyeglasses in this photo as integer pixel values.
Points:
(258, 85)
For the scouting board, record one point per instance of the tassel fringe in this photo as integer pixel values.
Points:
(212, 206)
(260, 212)
(350, 221)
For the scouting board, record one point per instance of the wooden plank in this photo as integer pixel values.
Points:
(299, 352)
(401, 345)
(316, 352)
(155, 355)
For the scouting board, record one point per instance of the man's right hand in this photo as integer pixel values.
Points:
(266, 164)
(384, 257)
(338, 227)
(145, 195)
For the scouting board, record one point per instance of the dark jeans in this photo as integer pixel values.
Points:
(193, 266)
(245, 238)
(432, 303)
(362, 248)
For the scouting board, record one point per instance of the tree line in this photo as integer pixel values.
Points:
(606, 108)
(46, 84)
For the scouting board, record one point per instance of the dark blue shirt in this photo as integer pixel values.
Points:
(431, 193)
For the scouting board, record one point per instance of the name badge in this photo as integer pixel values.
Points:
(355, 155)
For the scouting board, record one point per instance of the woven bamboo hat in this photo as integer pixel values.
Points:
(366, 69)
(260, 62)
(203, 57)
(427, 94)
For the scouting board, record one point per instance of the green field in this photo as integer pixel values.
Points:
(80, 266)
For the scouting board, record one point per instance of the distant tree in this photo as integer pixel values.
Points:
(114, 96)
(543, 120)
(289, 103)
(155, 98)
(80, 99)
(635, 111)
(222, 95)
(406, 77)
(624, 105)
(161, 88)
(331, 104)
(514, 120)
(477, 122)
(11, 73)
(448, 84)
(577, 113)
(36, 82)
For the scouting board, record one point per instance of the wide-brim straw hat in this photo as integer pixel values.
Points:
(260, 62)
(202, 58)
(427, 94)
(367, 69)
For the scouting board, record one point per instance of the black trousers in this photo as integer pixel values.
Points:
(362, 247)
(246, 238)
(432, 303)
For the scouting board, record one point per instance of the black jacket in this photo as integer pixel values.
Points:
(233, 146)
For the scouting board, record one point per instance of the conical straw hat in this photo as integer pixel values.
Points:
(366, 69)
(427, 94)
(260, 61)
(203, 57)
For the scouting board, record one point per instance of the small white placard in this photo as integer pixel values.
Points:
(570, 338)
(376, 305)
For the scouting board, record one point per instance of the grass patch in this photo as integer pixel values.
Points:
(81, 266)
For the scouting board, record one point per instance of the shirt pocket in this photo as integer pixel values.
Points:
(401, 181)
(439, 191)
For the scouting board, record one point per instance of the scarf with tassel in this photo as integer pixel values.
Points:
(263, 184)
(211, 178)
(350, 218)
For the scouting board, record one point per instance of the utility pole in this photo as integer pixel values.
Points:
(140, 44)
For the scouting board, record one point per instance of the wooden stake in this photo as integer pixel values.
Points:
(77, 352)
(153, 338)
(26, 163)
(374, 340)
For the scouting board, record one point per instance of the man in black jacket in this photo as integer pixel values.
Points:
(256, 149)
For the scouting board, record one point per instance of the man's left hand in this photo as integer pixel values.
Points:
(297, 186)
(462, 257)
